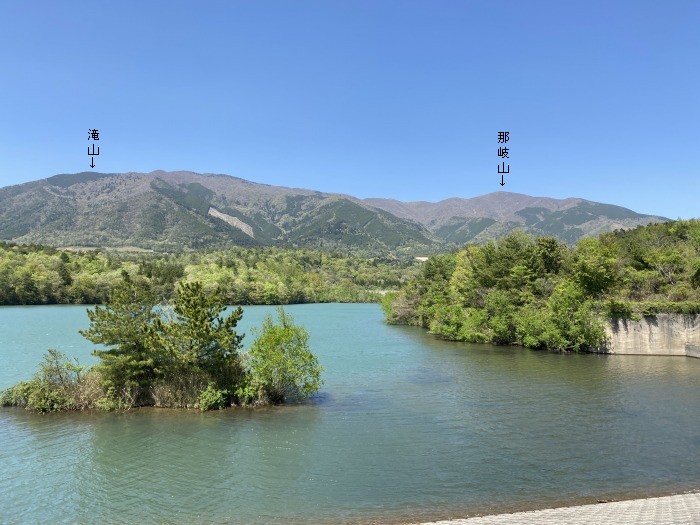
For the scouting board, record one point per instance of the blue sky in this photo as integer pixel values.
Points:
(373, 98)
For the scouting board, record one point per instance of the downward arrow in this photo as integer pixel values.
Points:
(502, 183)
(92, 162)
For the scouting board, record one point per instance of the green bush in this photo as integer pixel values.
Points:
(211, 398)
(17, 395)
(648, 308)
(618, 309)
(52, 388)
(36, 395)
(281, 366)
(114, 400)
(536, 329)
(45, 397)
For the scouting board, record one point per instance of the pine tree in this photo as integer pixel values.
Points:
(123, 326)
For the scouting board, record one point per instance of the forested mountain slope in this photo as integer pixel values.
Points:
(175, 210)
(172, 211)
(493, 215)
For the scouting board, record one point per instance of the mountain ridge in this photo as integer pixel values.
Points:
(169, 211)
(479, 205)
(486, 216)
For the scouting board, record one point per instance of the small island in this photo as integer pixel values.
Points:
(180, 356)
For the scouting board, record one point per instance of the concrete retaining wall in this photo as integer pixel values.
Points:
(692, 351)
(661, 334)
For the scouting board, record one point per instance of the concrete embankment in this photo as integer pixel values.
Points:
(683, 509)
(661, 334)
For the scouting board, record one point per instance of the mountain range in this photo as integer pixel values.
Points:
(171, 211)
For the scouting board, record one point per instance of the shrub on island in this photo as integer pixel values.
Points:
(184, 356)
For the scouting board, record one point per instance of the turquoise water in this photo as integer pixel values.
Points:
(406, 428)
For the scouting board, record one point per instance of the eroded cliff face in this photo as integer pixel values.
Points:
(661, 334)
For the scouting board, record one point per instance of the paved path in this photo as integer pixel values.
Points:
(683, 509)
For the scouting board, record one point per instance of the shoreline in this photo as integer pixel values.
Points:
(461, 513)
(679, 509)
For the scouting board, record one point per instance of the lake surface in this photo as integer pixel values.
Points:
(406, 428)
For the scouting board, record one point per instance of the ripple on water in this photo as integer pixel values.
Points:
(406, 427)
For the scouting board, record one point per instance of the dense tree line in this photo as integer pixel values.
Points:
(42, 275)
(540, 293)
(183, 355)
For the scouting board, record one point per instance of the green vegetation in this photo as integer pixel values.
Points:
(59, 384)
(42, 275)
(186, 355)
(280, 365)
(540, 293)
